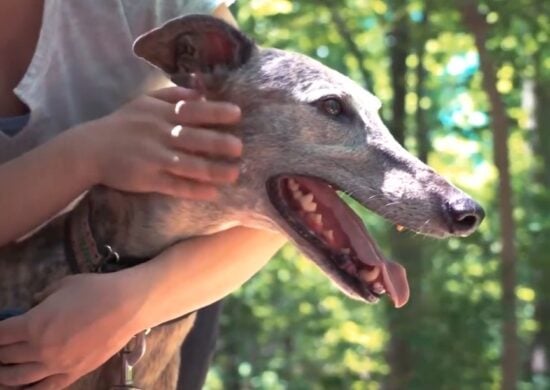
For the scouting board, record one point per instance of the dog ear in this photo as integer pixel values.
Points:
(195, 45)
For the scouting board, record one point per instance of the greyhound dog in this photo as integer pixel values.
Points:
(309, 133)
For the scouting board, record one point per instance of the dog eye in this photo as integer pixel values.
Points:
(332, 106)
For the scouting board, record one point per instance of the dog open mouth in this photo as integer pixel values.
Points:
(327, 229)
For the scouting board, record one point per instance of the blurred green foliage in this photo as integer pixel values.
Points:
(289, 328)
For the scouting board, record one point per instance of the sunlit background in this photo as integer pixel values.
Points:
(289, 328)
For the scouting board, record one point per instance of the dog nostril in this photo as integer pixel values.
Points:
(464, 215)
(467, 221)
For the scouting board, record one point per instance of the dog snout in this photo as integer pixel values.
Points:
(463, 215)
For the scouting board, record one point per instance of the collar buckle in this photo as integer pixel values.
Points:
(111, 258)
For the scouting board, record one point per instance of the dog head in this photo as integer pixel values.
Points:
(310, 132)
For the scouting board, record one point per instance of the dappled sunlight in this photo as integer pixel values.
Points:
(292, 328)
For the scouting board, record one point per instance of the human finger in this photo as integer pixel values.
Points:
(22, 374)
(214, 143)
(175, 94)
(202, 112)
(16, 353)
(172, 185)
(54, 382)
(13, 330)
(203, 169)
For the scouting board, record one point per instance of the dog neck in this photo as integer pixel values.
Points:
(142, 225)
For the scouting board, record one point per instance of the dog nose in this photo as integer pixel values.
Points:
(464, 215)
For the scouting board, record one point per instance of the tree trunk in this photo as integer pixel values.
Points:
(404, 250)
(477, 25)
(541, 143)
(539, 356)
(422, 132)
(399, 50)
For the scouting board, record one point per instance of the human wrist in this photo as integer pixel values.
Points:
(69, 154)
(86, 151)
(145, 307)
(136, 298)
(159, 295)
(127, 303)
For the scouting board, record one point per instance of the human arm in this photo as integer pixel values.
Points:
(113, 307)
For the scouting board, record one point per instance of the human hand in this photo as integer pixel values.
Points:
(56, 342)
(155, 144)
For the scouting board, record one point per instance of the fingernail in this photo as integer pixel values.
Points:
(237, 146)
(234, 175)
(234, 109)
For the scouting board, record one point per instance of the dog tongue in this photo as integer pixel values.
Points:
(395, 280)
(394, 275)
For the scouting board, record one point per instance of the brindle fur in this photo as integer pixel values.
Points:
(283, 133)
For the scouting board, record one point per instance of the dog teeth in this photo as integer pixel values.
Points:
(369, 275)
(297, 194)
(306, 200)
(293, 185)
(308, 204)
(378, 288)
(317, 219)
(329, 235)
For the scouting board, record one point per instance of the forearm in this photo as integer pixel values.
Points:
(38, 184)
(195, 273)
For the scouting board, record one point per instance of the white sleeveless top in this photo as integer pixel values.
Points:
(83, 66)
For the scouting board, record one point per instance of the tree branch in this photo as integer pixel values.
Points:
(347, 37)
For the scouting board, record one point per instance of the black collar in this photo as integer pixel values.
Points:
(82, 251)
(85, 255)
